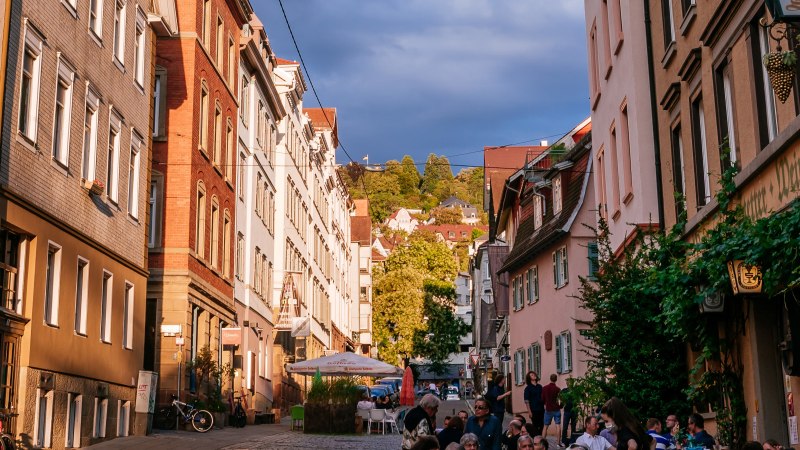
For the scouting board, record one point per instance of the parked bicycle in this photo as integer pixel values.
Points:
(7, 442)
(239, 417)
(200, 419)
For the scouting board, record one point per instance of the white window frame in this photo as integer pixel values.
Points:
(43, 429)
(564, 352)
(127, 316)
(519, 367)
(240, 246)
(139, 41)
(63, 123)
(200, 221)
(100, 417)
(226, 243)
(701, 124)
(557, 195)
(33, 47)
(97, 30)
(118, 44)
(123, 417)
(533, 284)
(112, 168)
(72, 433)
(89, 150)
(106, 306)
(152, 234)
(727, 90)
(81, 295)
(137, 143)
(213, 253)
(52, 284)
(560, 267)
(204, 105)
(769, 95)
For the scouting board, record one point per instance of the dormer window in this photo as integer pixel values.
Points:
(557, 195)
(538, 212)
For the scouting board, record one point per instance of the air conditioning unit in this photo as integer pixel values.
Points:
(713, 303)
(47, 381)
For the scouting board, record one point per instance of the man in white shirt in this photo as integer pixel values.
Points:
(365, 402)
(590, 439)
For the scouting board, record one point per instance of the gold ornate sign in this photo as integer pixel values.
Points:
(745, 278)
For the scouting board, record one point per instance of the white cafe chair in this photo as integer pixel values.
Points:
(363, 414)
(391, 420)
(377, 416)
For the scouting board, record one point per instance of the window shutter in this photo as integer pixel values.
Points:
(555, 269)
(536, 284)
(559, 368)
(565, 278)
(593, 262)
(568, 351)
(538, 359)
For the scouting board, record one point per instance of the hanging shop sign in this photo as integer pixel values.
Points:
(745, 278)
(784, 10)
(232, 336)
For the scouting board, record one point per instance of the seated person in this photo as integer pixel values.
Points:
(365, 402)
(384, 403)
(452, 432)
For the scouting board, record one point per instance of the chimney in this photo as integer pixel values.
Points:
(543, 143)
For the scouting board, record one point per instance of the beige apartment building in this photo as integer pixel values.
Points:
(73, 195)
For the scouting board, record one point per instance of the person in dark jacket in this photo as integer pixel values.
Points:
(486, 426)
(419, 420)
(513, 434)
(534, 402)
(452, 432)
(630, 433)
(495, 396)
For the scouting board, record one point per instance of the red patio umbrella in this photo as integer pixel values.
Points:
(407, 395)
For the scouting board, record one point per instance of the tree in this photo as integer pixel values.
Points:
(433, 259)
(397, 311)
(438, 177)
(409, 177)
(447, 216)
(444, 329)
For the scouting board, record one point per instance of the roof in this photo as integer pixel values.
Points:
(324, 119)
(361, 230)
(376, 256)
(574, 184)
(455, 228)
(453, 200)
(500, 162)
(386, 243)
(286, 62)
(362, 206)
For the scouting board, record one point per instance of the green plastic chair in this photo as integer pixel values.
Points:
(298, 413)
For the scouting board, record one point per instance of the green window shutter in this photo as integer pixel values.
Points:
(568, 351)
(594, 264)
(565, 280)
(555, 269)
(559, 368)
(536, 284)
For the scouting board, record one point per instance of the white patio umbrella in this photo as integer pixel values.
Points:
(345, 364)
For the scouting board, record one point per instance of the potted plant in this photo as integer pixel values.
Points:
(96, 187)
(331, 406)
(780, 66)
(210, 377)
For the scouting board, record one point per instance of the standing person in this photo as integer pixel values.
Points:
(568, 418)
(533, 401)
(696, 428)
(630, 434)
(654, 430)
(552, 408)
(419, 420)
(671, 429)
(486, 426)
(496, 394)
(452, 432)
(590, 437)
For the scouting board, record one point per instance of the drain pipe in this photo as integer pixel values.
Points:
(654, 114)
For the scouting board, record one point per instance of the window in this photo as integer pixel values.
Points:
(668, 22)
(203, 117)
(686, 4)
(133, 175)
(594, 262)
(119, 31)
(614, 169)
(52, 284)
(625, 151)
(43, 434)
(601, 184)
(74, 409)
(606, 39)
(765, 99)
(726, 123)
(229, 151)
(89, 157)
(139, 48)
(519, 367)
(533, 285)
(159, 102)
(153, 222)
(257, 272)
(538, 212)
(564, 352)
(516, 289)
(231, 61)
(96, 18)
(240, 256)
(29, 84)
(594, 68)
(259, 203)
(105, 307)
(702, 181)
(100, 412)
(127, 317)
(226, 244)
(560, 272)
(240, 176)
(557, 196)
(535, 358)
(112, 160)
(217, 154)
(617, 11)
(678, 180)
(214, 252)
(81, 296)
(200, 221)
(220, 44)
(62, 112)
(123, 417)
(244, 99)
(206, 33)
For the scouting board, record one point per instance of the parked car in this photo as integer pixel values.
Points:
(384, 389)
(397, 382)
(452, 394)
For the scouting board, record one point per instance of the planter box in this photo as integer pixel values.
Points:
(329, 419)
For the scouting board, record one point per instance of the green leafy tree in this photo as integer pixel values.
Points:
(409, 177)
(443, 329)
(437, 178)
(433, 259)
(397, 311)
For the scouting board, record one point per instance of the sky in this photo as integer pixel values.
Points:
(438, 76)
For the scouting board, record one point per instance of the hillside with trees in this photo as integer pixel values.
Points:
(400, 185)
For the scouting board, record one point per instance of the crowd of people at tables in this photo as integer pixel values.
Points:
(483, 430)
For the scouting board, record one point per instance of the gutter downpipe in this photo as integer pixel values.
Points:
(654, 115)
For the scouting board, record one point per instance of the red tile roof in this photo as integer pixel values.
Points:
(286, 62)
(455, 228)
(500, 162)
(324, 119)
(361, 230)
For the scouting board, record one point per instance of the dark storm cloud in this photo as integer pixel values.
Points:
(444, 76)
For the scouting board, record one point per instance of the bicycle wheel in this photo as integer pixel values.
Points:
(202, 420)
(7, 442)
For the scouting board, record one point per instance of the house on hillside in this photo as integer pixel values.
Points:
(402, 220)
(452, 234)
(541, 214)
(469, 213)
(384, 245)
